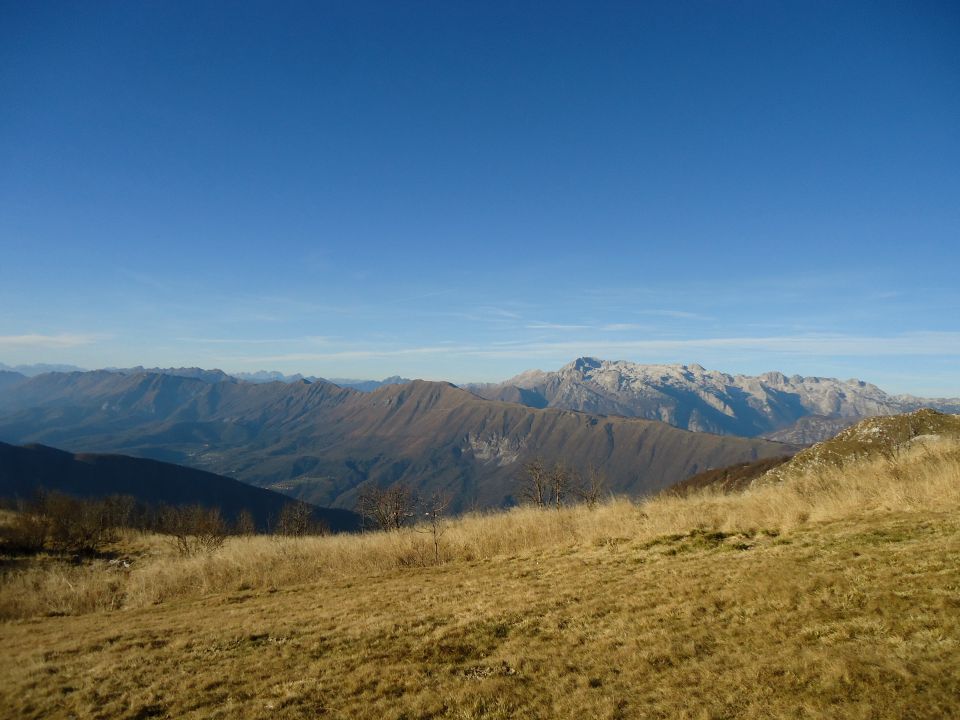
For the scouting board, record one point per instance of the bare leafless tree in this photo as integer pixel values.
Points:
(388, 509)
(119, 511)
(560, 483)
(433, 509)
(543, 485)
(296, 519)
(535, 482)
(244, 524)
(79, 525)
(591, 488)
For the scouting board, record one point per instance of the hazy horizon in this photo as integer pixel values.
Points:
(52, 367)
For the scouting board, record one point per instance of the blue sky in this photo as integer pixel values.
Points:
(467, 190)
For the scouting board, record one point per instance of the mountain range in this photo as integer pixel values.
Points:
(324, 443)
(10, 375)
(794, 409)
(369, 385)
(39, 368)
(791, 409)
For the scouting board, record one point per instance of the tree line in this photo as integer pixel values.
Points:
(63, 523)
(540, 484)
(559, 484)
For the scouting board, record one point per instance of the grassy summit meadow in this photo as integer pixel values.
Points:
(833, 591)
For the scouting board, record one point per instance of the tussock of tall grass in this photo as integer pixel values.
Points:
(919, 478)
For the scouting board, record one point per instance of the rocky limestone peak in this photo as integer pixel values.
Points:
(585, 365)
(775, 378)
(694, 398)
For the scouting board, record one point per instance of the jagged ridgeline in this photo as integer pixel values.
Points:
(323, 443)
(793, 409)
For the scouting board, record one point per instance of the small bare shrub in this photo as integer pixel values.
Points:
(296, 520)
(68, 524)
(77, 526)
(195, 529)
(592, 487)
(27, 532)
(244, 524)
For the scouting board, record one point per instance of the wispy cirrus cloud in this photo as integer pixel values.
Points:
(623, 327)
(907, 344)
(554, 326)
(350, 354)
(675, 314)
(827, 345)
(605, 327)
(483, 314)
(60, 340)
(312, 339)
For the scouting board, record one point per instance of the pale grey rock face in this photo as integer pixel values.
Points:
(693, 398)
(495, 448)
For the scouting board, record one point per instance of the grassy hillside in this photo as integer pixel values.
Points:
(831, 594)
(878, 437)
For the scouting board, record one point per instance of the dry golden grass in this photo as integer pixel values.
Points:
(834, 595)
(923, 477)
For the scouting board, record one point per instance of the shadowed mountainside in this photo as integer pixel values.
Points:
(728, 479)
(24, 470)
(321, 442)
